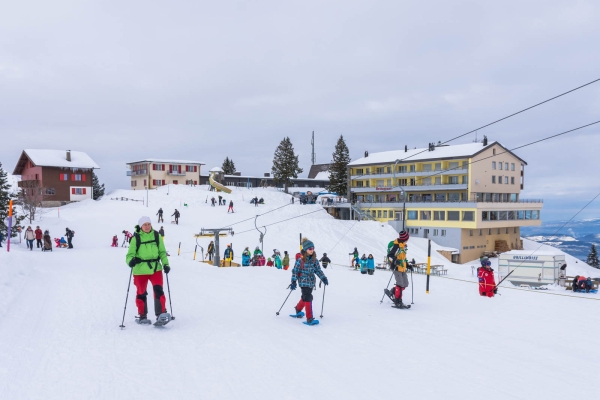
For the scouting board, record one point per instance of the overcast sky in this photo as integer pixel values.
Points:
(201, 80)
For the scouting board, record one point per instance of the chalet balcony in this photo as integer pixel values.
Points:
(137, 172)
(176, 173)
(33, 183)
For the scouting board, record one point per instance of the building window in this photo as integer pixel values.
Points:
(191, 168)
(494, 151)
(502, 215)
(506, 230)
(443, 232)
(512, 180)
(413, 215)
(468, 216)
(49, 191)
(402, 168)
(512, 166)
(493, 178)
(439, 215)
(453, 180)
(177, 183)
(515, 229)
(64, 177)
(506, 166)
(512, 215)
(133, 183)
(500, 166)
(481, 232)
(78, 191)
(493, 164)
(490, 231)
(77, 177)
(453, 215)
(506, 180)
(464, 179)
(500, 180)
(493, 215)
(498, 231)
(485, 216)
(385, 214)
(413, 168)
(426, 215)
(470, 232)
(535, 214)
(435, 232)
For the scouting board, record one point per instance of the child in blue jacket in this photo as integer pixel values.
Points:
(303, 275)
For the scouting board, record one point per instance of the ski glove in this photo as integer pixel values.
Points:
(166, 268)
(325, 281)
(134, 261)
(293, 285)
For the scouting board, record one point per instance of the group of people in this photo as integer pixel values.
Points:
(44, 241)
(582, 284)
(160, 213)
(256, 201)
(221, 201)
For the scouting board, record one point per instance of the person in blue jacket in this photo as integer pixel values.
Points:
(363, 264)
(246, 258)
(303, 275)
(371, 264)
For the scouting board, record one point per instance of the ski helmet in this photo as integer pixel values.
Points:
(403, 236)
(324, 254)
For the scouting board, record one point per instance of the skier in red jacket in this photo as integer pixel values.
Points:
(487, 284)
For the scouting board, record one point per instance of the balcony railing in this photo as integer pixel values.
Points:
(31, 183)
(456, 171)
(137, 172)
(420, 199)
(176, 173)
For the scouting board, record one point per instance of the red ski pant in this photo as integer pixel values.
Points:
(306, 302)
(141, 283)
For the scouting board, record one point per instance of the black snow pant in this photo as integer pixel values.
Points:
(160, 218)
(39, 243)
(69, 241)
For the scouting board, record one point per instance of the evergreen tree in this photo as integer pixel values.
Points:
(228, 166)
(285, 163)
(5, 196)
(338, 169)
(592, 258)
(97, 188)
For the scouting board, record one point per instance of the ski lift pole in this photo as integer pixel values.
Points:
(10, 212)
(195, 249)
(179, 249)
(428, 264)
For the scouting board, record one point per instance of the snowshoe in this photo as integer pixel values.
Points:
(143, 320)
(299, 314)
(311, 321)
(400, 305)
(163, 319)
(389, 295)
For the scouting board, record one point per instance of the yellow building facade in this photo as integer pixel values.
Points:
(465, 197)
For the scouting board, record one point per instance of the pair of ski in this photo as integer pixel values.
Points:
(301, 314)
(397, 305)
(161, 320)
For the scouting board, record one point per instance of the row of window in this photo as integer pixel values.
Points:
(78, 191)
(441, 215)
(490, 230)
(169, 167)
(74, 177)
(509, 215)
(500, 164)
(503, 178)
(413, 168)
(436, 232)
(438, 180)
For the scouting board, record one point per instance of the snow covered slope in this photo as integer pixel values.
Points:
(60, 314)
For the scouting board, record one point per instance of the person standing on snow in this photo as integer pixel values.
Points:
(303, 275)
(211, 250)
(148, 258)
(220, 199)
(38, 237)
(29, 237)
(355, 259)
(212, 201)
(325, 261)
(286, 260)
(398, 264)
(230, 206)
(228, 255)
(69, 234)
(487, 284)
(160, 215)
(115, 241)
(176, 215)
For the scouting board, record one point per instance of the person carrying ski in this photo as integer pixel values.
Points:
(160, 215)
(210, 250)
(29, 237)
(115, 241)
(228, 255)
(176, 215)
(325, 261)
(487, 284)
(286, 260)
(397, 258)
(230, 206)
(148, 258)
(303, 275)
(38, 237)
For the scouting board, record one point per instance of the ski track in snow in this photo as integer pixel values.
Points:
(61, 311)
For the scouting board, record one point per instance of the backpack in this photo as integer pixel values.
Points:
(138, 243)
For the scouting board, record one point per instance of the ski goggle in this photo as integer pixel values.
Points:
(310, 248)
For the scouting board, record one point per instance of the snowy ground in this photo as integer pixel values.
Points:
(60, 314)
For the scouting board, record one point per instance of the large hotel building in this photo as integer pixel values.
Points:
(466, 197)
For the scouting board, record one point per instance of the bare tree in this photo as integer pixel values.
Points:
(30, 199)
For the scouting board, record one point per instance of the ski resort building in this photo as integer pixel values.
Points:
(320, 181)
(467, 197)
(55, 177)
(152, 173)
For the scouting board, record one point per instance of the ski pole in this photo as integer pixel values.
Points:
(323, 303)
(126, 297)
(412, 289)
(277, 313)
(169, 290)
(388, 285)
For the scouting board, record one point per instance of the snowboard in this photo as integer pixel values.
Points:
(163, 319)
(314, 322)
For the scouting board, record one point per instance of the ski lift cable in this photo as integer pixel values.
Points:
(283, 220)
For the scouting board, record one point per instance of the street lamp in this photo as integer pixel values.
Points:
(403, 194)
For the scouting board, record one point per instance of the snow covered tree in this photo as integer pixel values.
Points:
(97, 188)
(285, 163)
(5, 196)
(338, 169)
(228, 167)
(592, 258)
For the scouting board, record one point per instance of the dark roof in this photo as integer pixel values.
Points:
(316, 168)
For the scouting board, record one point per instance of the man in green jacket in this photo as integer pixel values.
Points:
(148, 258)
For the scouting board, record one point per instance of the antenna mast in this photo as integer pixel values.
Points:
(313, 157)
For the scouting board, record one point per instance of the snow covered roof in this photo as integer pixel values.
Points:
(456, 151)
(216, 169)
(165, 161)
(55, 158)
(322, 176)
